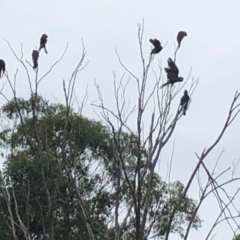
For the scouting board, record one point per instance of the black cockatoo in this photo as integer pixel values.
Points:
(180, 37)
(43, 42)
(184, 101)
(172, 73)
(35, 56)
(157, 46)
(2, 68)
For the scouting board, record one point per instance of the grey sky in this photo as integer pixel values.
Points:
(212, 48)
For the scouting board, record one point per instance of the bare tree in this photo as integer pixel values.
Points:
(161, 124)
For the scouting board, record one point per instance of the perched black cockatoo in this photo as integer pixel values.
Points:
(157, 46)
(43, 42)
(180, 37)
(184, 102)
(35, 56)
(172, 73)
(2, 68)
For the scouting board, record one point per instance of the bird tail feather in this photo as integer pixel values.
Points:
(35, 64)
(165, 84)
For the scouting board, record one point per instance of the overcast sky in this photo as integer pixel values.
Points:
(212, 49)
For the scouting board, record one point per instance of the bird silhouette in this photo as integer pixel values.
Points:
(180, 37)
(35, 56)
(2, 68)
(184, 101)
(172, 73)
(157, 46)
(43, 42)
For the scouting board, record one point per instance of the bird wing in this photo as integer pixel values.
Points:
(43, 39)
(184, 100)
(172, 66)
(35, 54)
(156, 43)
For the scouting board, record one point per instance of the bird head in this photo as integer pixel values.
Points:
(180, 79)
(182, 33)
(185, 92)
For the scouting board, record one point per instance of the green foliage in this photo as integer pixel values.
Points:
(4, 230)
(237, 237)
(51, 146)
